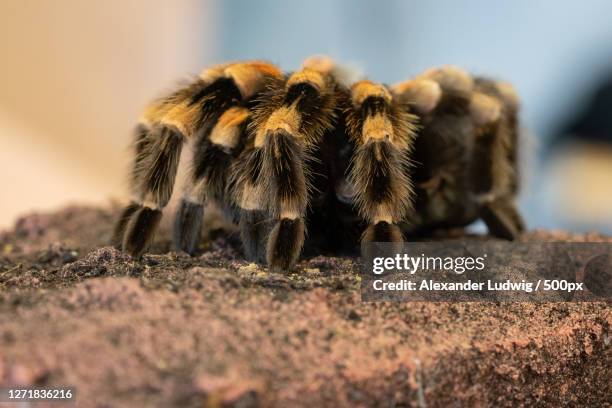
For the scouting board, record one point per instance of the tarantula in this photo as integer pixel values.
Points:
(353, 162)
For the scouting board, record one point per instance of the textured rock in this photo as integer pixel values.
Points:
(174, 330)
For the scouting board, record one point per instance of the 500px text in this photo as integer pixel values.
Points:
(522, 286)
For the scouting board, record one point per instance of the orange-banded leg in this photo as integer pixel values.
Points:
(291, 120)
(214, 151)
(140, 145)
(253, 218)
(165, 125)
(383, 132)
(284, 166)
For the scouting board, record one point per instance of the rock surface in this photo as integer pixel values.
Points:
(215, 330)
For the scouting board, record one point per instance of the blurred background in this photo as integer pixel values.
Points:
(76, 74)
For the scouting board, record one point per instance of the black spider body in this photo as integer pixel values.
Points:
(442, 156)
(465, 157)
(302, 162)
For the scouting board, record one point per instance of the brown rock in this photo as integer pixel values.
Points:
(214, 330)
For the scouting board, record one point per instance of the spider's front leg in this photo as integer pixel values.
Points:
(285, 179)
(158, 144)
(166, 124)
(290, 120)
(383, 132)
